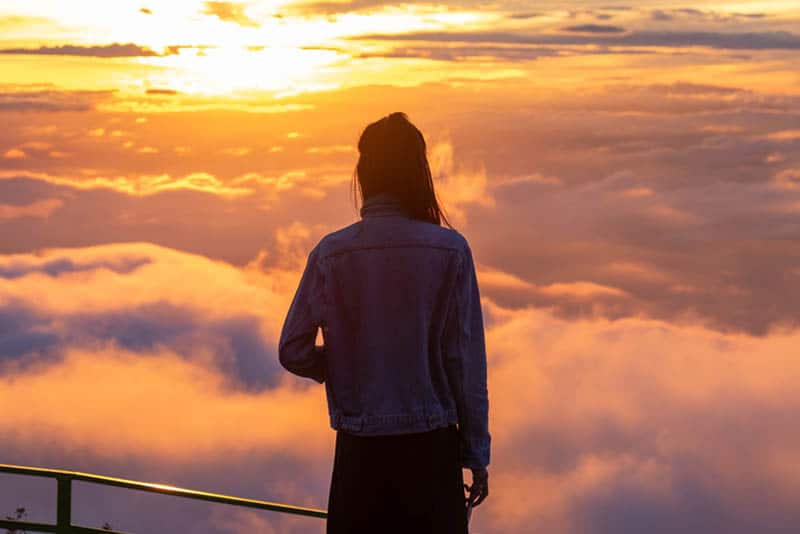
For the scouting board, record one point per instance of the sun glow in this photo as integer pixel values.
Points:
(224, 70)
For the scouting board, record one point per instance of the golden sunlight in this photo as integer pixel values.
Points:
(227, 70)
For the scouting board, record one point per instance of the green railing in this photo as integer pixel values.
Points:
(64, 480)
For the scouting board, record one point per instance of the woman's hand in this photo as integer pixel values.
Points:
(480, 487)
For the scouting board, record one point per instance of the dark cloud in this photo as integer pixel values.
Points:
(239, 349)
(689, 11)
(769, 40)
(525, 16)
(57, 267)
(24, 334)
(593, 28)
(706, 16)
(658, 14)
(161, 92)
(230, 12)
(106, 51)
(489, 52)
(715, 16)
(694, 89)
(504, 53)
(233, 343)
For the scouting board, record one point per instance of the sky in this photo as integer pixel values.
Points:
(628, 178)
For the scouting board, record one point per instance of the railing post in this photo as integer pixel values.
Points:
(64, 506)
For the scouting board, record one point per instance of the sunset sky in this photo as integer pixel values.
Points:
(628, 177)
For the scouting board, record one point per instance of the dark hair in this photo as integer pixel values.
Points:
(392, 158)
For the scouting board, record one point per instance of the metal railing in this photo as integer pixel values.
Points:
(64, 480)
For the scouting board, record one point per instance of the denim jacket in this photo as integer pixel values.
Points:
(403, 348)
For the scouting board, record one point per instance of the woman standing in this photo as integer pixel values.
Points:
(403, 357)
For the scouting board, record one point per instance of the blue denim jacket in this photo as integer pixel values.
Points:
(403, 348)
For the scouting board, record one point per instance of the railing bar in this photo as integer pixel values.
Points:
(162, 489)
(201, 495)
(89, 530)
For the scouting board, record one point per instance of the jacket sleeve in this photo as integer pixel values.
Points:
(465, 365)
(297, 349)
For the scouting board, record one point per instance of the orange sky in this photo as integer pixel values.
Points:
(628, 178)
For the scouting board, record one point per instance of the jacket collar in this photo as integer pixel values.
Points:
(381, 204)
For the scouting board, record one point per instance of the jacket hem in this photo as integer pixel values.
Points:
(379, 425)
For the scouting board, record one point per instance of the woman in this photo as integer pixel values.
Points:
(403, 357)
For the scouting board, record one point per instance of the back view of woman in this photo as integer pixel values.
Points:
(403, 358)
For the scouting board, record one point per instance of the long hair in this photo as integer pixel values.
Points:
(393, 158)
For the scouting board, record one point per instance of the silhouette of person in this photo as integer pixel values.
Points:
(403, 355)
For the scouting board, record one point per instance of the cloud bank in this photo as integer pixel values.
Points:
(130, 355)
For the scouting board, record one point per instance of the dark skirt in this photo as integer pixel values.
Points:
(400, 483)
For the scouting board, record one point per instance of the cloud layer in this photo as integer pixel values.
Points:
(668, 200)
(598, 426)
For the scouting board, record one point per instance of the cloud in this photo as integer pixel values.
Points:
(230, 12)
(606, 437)
(337, 8)
(14, 153)
(460, 53)
(457, 185)
(591, 232)
(62, 299)
(659, 14)
(765, 40)
(785, 135)
(99, 213)
(331, 149)
(114, 411)
(593, 28)
(787, 179)
(706, 16)
(40, 208)
(141, 185)
(693, 169)
(194, 104)
(16, 98)
(9, 23)
(525, 15)
(105, 51)
(565, 298)
(238, 151)
(54, 264)
(162, 92)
